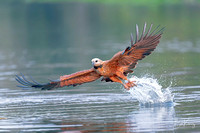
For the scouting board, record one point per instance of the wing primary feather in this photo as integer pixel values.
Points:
(137, 33)
(20, 80)
(24, 87)
(28, 84)
(145, 24)
(34, 80)
(132, 39)
(148, 31)
(154, 30)
(160, 31)
(26, 80)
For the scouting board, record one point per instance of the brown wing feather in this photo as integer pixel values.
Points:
(128, 58)
(79, 78)
(67, 80)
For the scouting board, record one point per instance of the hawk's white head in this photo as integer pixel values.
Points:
(96, 62)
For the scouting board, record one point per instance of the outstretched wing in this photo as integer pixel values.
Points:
(79, 78)
(142, 47)
(74, 79)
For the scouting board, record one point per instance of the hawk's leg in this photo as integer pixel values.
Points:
(116, 79)
(130, 83)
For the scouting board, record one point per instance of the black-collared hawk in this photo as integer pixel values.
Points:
(114, 70)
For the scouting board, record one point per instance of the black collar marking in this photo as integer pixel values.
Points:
(96, 67)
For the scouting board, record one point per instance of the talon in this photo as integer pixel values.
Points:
(126, 87)
(131, 84)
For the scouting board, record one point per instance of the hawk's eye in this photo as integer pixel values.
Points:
(96, 60)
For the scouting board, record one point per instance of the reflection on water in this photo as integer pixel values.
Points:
(153, 119)
(142, 120)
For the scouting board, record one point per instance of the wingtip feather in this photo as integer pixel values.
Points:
(144, 29)
(132, 39)
(148, 31)
(137, 33)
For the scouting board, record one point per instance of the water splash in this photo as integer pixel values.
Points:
(148, 92)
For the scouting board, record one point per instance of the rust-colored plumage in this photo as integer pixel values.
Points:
(114, 70)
